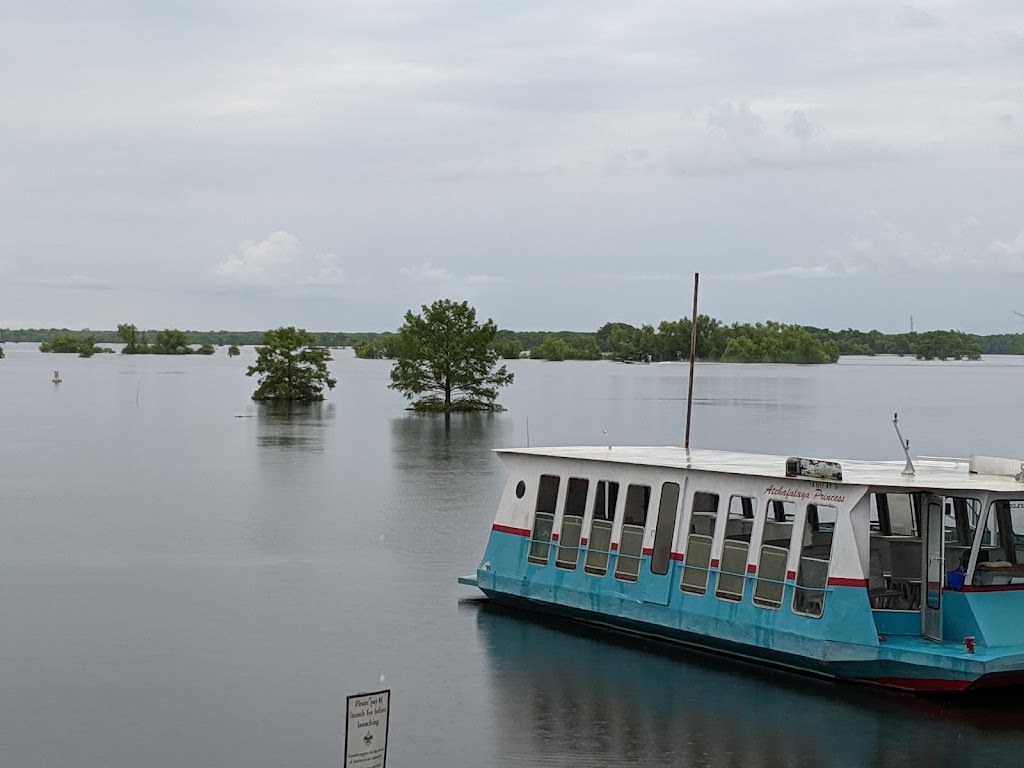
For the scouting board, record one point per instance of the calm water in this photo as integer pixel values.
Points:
(189, 579)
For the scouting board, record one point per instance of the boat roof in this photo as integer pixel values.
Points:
(936, 474)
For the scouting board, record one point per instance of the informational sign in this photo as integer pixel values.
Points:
(366, 729)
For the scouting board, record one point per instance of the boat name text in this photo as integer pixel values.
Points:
(807, 494)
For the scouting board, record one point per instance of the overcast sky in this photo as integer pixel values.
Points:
(244, 164)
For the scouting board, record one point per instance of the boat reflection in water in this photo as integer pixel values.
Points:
(569, 695)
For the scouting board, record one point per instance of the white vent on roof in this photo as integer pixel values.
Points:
(994, 465)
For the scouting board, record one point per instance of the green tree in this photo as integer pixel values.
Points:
(205, 349)
(379, 348)
(62, 343)
(233, 351)
(509, 349)
(289, 367)
(87, 346)
(584, 347)
(447, 361)
(740, 349)
(1, 353)
(622, 341)
(134, 342)
(171, 341)
(552, 348)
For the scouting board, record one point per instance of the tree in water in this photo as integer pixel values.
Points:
(134, 342)
(289, 367)
(171, 341)
(446, 360)
(233, 351)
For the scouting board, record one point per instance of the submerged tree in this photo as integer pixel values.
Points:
(289, 367)
(134, 342)
(171, 341)
(447, 360)
(233, 351)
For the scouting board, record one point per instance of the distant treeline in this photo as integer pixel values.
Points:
(214, 338)
(739, 342)
(670, 340)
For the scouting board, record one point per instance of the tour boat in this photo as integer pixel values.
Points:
(906, 576)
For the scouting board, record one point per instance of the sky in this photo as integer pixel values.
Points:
(330, 164)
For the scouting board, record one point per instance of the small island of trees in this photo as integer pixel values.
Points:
(169, 341)
(83, 346)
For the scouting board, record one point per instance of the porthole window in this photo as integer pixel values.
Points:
(521, 489)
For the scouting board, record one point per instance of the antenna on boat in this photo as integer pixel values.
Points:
(693, 355)
(908, 471)
(527, 431)
(607, 439)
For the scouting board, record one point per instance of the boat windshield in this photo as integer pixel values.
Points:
(1001, 554)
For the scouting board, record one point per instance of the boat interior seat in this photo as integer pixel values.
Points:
(777, 531)
(735, 526)
(703, 524)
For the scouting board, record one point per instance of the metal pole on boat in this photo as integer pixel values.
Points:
(693, 356)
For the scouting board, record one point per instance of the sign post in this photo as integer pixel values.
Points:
(366, 729)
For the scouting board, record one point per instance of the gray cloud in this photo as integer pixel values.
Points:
(159, 151)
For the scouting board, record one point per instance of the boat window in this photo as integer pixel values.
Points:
(634, 521)
(665, 527)
(879, 515)
(903, 519)
(697, 557)
(773, 558)
(732, 576)
(705, 513)
(572, 524)
(961, 518)
(599, 545)
(740, 520)
(812, 572)
(543, 520)
(1002, 541)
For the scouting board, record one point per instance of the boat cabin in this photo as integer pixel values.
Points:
(769, 556)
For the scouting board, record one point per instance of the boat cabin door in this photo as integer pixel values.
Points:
(933, 567)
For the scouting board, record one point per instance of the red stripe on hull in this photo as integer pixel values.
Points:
(839, 581)
(714, 563)
(751, 568)
(615, 546)
(554, 537)
(647, 552)
(790, 575)
(509, 529)
(583, 542)
(920, 683)
(677, 556)
(994, 588)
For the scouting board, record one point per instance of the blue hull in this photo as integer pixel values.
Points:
(844, 644)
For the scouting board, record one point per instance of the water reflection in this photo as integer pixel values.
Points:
(298, 427)
(445, 481)
(614, 700)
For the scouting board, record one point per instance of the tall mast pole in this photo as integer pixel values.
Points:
(693, 357)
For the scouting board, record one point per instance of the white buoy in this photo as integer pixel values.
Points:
(56, 377)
